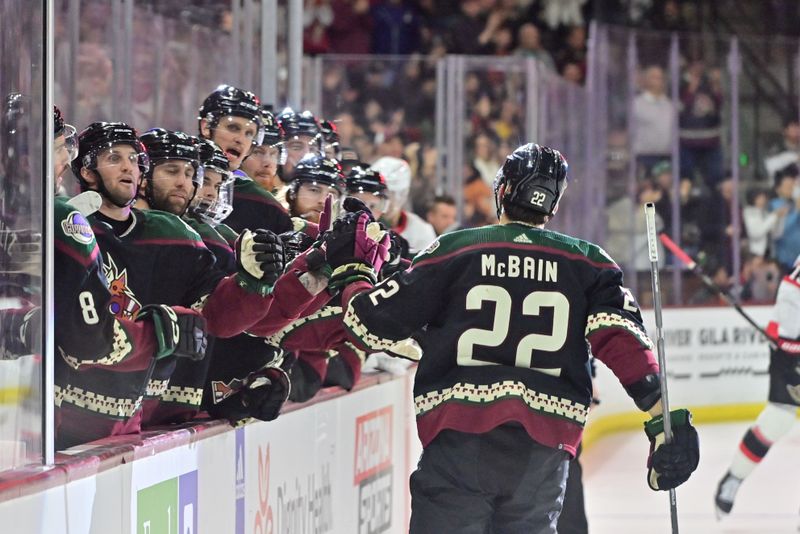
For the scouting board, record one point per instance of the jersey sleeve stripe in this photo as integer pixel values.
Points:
(430, 260)
(369, 341)
(599, 321)
(84, 260)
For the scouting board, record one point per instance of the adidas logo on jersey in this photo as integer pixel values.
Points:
(522, 238)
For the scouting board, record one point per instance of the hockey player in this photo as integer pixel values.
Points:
(416, 231)
(138, 245)
(369, 186)
(778, 416)
(102, 362)
(315, 177)
(302, 136)
(504, 314)
(232, 118)
(263, 162)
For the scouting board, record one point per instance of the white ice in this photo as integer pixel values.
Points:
(619, 501)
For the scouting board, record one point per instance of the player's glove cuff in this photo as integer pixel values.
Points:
(179, 332)
(252, 284)
(351, 272)
(670, 464)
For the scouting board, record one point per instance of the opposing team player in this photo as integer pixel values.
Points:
(778, 416)
(232, 118)
(416, 231)
(504, 313)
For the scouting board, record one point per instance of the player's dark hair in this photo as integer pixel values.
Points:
(515, 213)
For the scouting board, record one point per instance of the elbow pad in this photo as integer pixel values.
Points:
(645, 392)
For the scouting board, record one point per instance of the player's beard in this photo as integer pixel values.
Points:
(169, 202)
(121, 193)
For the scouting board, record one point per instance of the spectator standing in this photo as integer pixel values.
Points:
(351, 29)
(653, 121)
(787, 231)
(529, 41)
(701, 123)
(759, 222)
(317, 17)
(442, 214)
(485, 159)
(788, 151)
(396, 27)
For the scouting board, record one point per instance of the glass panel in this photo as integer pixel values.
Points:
(21, 260)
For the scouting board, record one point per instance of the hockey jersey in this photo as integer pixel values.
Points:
(103, 363)
(503, 314)
(254, 208)
(785, 324)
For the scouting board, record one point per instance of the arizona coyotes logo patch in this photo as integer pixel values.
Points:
(222, 390)
(123, 302)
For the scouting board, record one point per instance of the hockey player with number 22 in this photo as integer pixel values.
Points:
(503, 314)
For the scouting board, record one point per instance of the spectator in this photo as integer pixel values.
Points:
(701, 124)
(575, 51)
(707, 296)
(758, 222)
(760, 280)
(653, 116)
(788, 151)
(485, 160)
(351, 29)
(662, 174)
(559, 13)
(530, 45)
(468, 33)
(572, 72)
(317, 17)
(442, 214)
(627, 231)
(693, 205)
(396, 27)
(717, 227)
(787, 230)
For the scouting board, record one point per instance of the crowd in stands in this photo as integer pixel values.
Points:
(386, 106)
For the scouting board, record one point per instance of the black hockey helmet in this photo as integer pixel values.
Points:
(316, 169)
(364, 179)
(60, 127)
(303, 123)
(211, 156)
(330, 139)
(532, 178)
(273, 133)
(100, 136)
(164, 145)
(213, 211)
(227, 100)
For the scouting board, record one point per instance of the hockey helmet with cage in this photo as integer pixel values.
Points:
(273, 136)
(208, 210)
(330, 139)
(227, 100)
(164, 145)
(100, 136)
(533, 178)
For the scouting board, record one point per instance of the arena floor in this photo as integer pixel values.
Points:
(618, 500)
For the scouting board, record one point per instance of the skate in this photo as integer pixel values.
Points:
(726, 493)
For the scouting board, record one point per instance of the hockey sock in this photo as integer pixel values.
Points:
(774, 422)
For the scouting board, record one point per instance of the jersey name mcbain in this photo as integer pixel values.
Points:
(516, 267)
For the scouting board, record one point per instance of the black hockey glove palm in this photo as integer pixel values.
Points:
(670, 464)
(20, 332)
(259, 258)
(180, 332)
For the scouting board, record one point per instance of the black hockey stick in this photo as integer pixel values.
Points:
(721, 291)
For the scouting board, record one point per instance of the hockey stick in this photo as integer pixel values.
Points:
(721, 291)
(652, 247)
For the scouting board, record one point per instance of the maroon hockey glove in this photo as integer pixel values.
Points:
(20, 332)
(670, 464)
(180, 332)
(259, 258)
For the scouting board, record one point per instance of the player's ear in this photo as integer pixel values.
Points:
(88, 176)
(205, 130)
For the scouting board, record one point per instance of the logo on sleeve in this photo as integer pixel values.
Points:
(123, 303)
(76, 227)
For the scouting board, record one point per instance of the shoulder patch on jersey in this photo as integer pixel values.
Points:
(522, 238)
(432, 247)
(78, 228)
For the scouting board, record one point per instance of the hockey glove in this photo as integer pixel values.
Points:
(670, 464)
(20, 332)
(259, 258)
(348, 273)
(180, 332)
(265, 392)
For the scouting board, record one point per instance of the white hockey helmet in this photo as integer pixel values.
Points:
(396, 171)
